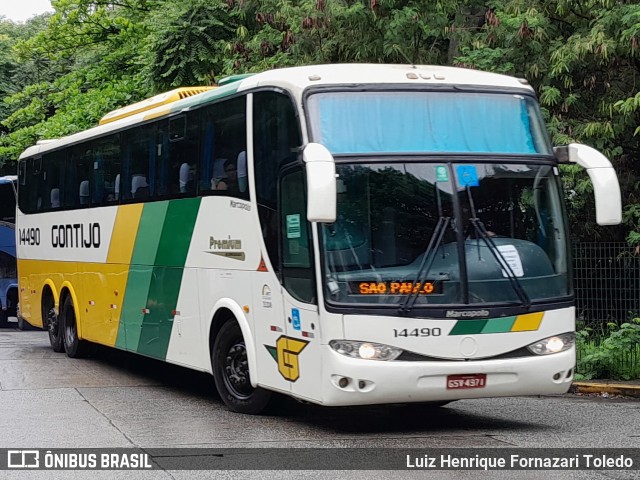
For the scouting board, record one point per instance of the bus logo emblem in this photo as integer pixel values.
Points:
(229, 248)
(286, 353)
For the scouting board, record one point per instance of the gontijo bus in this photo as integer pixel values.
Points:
(385, 233)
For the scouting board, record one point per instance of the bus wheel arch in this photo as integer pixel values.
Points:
(231, 349)
(50, 319)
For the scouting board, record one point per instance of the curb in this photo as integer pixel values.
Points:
(622, 389)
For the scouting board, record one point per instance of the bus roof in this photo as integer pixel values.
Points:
(297, 79)
(350, 74)
(8, 179)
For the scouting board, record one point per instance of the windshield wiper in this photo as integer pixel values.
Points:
(428, 257)
(497, 254)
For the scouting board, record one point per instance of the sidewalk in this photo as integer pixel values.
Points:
(608, 387)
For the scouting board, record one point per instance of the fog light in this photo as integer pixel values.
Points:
(365, 350)
(555, 344)
(343, 382)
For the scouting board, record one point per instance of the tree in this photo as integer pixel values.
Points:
(582, 57)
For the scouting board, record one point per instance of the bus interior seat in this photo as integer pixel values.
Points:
(218, 170)
(84, 192)
(55, 198)
(139, 186)
(116, 187)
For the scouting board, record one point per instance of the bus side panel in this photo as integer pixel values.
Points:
(99, 291)
(34, 275)
(29, 304)
(188, 345)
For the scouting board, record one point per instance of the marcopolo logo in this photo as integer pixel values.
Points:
(467, 313)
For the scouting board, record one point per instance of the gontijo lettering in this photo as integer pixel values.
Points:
(77, 235)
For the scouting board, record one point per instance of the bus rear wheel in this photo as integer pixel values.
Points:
(51, 322)
(72, 344)
(4, 319)
(231, 372)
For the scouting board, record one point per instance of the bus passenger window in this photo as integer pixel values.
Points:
(224, 139)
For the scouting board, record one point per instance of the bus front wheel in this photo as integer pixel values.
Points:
(51, 322)
(72, 344)
(231, 372)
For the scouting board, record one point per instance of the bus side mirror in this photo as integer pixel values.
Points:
(321, 183)
(606, 188)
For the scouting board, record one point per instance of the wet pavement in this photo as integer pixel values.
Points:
(116, 399)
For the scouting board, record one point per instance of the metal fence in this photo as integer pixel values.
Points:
(606, 282)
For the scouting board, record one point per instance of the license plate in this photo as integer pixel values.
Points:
(477, 380)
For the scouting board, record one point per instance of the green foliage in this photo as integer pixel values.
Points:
(187, 42)
(614, 353)
(582, 57)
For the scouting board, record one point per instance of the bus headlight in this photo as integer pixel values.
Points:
(555, 344)
(365, 350)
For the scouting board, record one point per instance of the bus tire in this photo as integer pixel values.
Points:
(51, 321)
(22, 323)
(231, 372)
(4, 319)
(75, 347)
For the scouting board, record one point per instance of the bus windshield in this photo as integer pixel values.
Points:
(7, 200)
(421, 121)
(387, 215)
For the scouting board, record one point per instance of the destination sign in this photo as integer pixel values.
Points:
(395, 288)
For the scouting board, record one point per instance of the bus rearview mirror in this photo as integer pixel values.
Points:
(606, 188)
(321, 183)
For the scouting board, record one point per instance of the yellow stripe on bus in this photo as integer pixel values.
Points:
(124, 233)
(528, 322)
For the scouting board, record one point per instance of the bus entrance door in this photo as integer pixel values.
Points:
(300, 355)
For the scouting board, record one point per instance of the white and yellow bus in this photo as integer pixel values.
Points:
(344, 234)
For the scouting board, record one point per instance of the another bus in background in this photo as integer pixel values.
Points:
(8, 270)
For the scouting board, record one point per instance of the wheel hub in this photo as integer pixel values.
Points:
(236, 370)
(52, 321)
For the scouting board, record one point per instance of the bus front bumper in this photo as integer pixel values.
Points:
(349, 381)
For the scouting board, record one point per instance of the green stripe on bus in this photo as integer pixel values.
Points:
(149, 233)
(140, 274)
(499, 325)
(468, 327)
(131, 320)
(179, 222)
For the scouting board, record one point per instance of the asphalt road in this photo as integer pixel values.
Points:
(115, 399)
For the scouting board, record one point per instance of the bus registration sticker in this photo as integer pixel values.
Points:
(476, 380)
